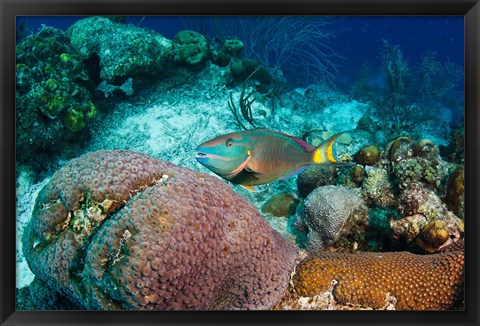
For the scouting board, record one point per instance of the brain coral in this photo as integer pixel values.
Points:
(123, 50)
(398, 280)
(333, 213)
(121, 230)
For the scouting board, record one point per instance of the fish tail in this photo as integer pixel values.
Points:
(325, 153)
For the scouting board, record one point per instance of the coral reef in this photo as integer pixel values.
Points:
(53, 102)
(39, 296)
(455, 196)
(376, 187)
(433, 236)
(315, 176)
(189, 47)
(391, 280)
(335, 216)
(222, 55)
(120, 230)
(417, 163)
(420, 207)
(282, 204)
(123, 50)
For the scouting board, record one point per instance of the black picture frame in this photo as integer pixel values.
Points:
(10, 8)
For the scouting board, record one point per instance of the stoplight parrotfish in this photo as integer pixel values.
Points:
(261, 156)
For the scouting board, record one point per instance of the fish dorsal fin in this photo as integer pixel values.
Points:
(306, 146)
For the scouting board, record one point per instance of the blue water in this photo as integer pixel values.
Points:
(358, 39)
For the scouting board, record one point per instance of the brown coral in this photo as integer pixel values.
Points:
(378, 280)
(121, 230)
(367, 155)
(282, 204)
(455, 197)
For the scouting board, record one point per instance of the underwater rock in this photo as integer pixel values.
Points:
(118, 230)
(315, 176)
(367, 155)
(282, 204)
(388, 280)
(455, 197)
(189, 47)
(433, 236)
(335, 216)
(123, 50)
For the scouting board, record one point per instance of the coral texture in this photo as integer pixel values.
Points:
(315, 176)
(123, 50)
(398, 280)
(52, 102)
(455, 197)
(121, 230)
(333, 214)
(189, 47)
(368, 155)
(282, 204)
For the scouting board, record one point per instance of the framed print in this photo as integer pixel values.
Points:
(205, 162)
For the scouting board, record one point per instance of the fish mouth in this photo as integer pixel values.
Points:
(201, 155)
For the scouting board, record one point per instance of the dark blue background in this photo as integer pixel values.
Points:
(359, 39)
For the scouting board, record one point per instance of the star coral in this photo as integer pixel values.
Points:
(394, 280)
(120, 230)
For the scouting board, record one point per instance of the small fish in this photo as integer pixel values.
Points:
(262, 156)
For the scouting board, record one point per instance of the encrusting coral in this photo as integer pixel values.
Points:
(393, 280)
(120, 230)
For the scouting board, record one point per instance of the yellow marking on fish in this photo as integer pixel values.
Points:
(317, 156)
(249, 188)
(330, 151)
(249, 153)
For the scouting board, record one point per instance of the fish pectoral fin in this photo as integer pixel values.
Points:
(251, 171)
(249, 188)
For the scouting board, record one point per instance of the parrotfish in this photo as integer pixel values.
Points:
(261, 156)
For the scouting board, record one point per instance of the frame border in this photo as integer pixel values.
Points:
(470, 9)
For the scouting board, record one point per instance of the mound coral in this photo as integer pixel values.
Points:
(367, 155)
(189, 47)
(394, 280)
(120, 230)
(315, 176)
(123, 50)
(455, 197)
(334, 215)
(282, 204)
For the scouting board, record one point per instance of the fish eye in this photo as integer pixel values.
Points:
(229, 143)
